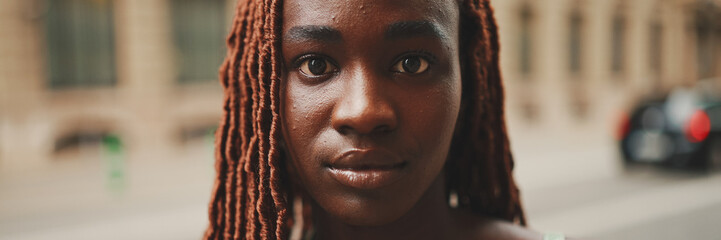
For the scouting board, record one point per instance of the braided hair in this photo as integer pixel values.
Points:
(252, 191)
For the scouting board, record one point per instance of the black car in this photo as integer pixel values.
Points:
(680, 130)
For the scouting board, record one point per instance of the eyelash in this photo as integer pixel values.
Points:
(300, 60)
(418, 53)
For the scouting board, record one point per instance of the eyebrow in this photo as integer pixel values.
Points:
(394, 31)
(313, 32)
(411, 29)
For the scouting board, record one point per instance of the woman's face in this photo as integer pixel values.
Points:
(371, 94)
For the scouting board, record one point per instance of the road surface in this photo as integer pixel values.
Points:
(583, 192)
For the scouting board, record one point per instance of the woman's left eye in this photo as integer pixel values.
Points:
(412, 65)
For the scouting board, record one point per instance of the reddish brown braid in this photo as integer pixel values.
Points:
(251, 192)
(480, 166)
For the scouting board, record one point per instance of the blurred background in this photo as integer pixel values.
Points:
(107, 109)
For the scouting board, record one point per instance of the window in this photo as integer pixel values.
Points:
(78, 140)
(707, 31)
(575, 41)
(656, 46)
(526, 47)
(618, 42)
(81, 44)
(90, 143)
(205, 132)
(199, 29)
(198, 138)
(705, 51)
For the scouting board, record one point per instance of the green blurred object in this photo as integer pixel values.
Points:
(210, 136)
(113, 149)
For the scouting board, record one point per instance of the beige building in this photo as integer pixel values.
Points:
(75, 72)
(575, 65)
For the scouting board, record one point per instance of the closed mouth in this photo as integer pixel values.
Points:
(366, 169)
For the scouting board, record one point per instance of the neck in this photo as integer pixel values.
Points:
(430, 218)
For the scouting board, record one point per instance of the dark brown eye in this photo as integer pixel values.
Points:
(316, 66)
(413, 65)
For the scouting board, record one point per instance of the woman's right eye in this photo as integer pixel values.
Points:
(316, 66)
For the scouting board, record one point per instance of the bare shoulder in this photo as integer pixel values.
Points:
(476, 227)
(500, 229)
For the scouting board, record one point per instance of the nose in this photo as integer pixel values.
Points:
(363, 107)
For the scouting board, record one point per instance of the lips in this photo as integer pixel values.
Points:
(366, 169)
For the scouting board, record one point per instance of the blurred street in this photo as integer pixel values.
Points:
(75, 200)
(107, 109)
(584, 192)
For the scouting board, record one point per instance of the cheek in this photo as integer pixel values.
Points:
(435, 116)
(302, 107)
(305, 112)
(430, 121)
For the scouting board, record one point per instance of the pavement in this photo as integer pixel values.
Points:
(575, 186)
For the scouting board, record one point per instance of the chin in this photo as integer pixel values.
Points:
(364, 217)
(365, 211)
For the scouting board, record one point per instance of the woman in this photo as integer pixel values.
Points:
(378, 119)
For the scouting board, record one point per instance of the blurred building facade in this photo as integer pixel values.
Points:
(576, 65)
(73, 72)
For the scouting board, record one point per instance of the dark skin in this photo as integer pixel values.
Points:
(371, 97)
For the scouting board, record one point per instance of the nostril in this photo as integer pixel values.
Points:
(345, 130)
(382, 129)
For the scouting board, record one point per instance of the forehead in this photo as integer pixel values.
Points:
(369, 15)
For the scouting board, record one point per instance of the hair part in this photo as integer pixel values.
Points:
(251, 193)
